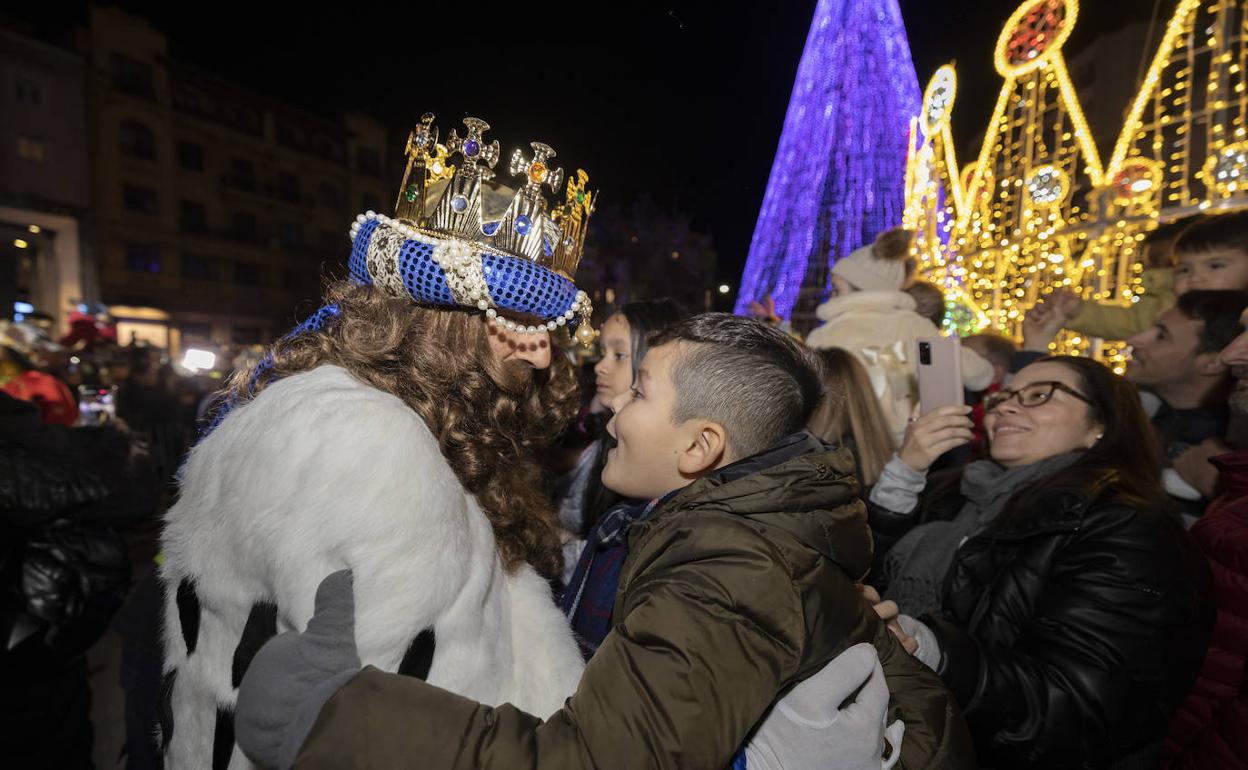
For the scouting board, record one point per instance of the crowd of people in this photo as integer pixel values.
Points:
(414, 531)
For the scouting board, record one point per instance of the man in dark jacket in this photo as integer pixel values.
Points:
(63, 493)
(736, 586)
(1211, 727)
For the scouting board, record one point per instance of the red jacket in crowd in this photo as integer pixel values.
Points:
(55, 401)
(1211, 728)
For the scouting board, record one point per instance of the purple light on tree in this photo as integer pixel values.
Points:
(838, 176)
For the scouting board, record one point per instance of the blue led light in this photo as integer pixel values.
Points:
(838, 175)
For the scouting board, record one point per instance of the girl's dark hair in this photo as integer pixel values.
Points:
(645, 321)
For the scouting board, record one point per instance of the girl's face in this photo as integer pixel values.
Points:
(614, 371)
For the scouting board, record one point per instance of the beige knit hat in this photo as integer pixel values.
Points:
(881, 266)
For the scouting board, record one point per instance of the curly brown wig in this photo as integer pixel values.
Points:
(489, 416)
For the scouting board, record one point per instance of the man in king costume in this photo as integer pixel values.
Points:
(392, 434)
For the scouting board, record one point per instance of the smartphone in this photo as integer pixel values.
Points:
(96, 406)
(940, 373)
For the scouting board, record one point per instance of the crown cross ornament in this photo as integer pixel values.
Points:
(462, 238)
(536, 171)
(473, 146)
(424, 157)
(578, 196)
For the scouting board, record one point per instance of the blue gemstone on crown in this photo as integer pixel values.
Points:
(459, 203)
(471, 148)
(523, 224)
(489, 228)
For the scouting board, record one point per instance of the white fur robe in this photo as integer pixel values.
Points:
(321, 473)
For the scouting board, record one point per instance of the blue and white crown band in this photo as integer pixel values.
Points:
(432, 270)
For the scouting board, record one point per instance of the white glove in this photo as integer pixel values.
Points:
(808, 729)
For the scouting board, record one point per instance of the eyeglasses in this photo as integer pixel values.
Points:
(1035, 394)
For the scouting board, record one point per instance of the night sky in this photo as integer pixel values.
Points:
(683, 101)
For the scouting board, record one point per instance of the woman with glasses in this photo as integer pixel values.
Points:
(1049, 585)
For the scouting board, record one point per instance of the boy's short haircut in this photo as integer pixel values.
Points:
(755, 380)
(1220, 312)
(1215, 233)
(998, 348)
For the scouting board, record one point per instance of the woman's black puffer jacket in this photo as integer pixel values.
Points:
(1072, 627)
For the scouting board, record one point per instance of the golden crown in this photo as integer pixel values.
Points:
(465, 202)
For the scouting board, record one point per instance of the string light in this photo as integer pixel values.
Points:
(837, 178)
(1037, 210)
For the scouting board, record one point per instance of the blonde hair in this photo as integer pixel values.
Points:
(850, 408)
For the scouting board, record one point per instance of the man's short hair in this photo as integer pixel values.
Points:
(1220, 312)
(755, 380)
(998, 348)
(1215, 233)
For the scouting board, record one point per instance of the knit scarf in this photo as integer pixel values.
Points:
(916, 566)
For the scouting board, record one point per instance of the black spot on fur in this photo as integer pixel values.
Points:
(419, 655)
(223, 740)
(261, 627)
(164, 712)
(188, 614)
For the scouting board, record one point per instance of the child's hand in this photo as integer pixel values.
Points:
(930, 436)
(1066, 302)
(1193, 466)
(889, 613)
(1041, 324)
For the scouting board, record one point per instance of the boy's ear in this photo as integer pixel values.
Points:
(707, 449)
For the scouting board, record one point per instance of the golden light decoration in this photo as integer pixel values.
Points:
(938, 98)
(1136, 180)
(1034, 33)
(1047, 186)
(1226, 170)
(1037, 209)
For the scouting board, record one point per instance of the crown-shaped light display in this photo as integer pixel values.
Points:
(452, 191)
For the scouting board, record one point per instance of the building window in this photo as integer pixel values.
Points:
(330, 196)
(367, 161)
(27, 90)
(370, 202)
(247, 335)
(287, 186)
(143, 258)
(133, 76)
(246, 274)
(192, 217)
(245, 227)
(197, 332)
(139, 199)
(137, 140)
(290, 234)
(30, 149)
(243, 174)
(198, 267)
(190, 156)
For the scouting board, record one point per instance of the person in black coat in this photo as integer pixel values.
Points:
(64, 495)
(1051, 587)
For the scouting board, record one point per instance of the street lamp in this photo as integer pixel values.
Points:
(724, 288)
